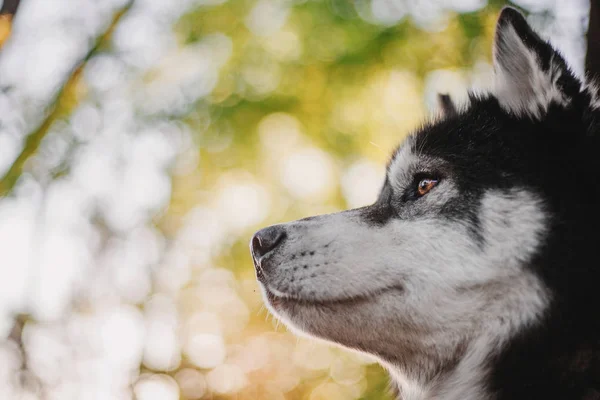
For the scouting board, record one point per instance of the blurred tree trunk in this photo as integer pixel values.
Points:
(61, 105)
(9, 7)
(592, 57)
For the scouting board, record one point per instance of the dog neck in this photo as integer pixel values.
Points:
(455, 358)
(457, 379)
(545, 363)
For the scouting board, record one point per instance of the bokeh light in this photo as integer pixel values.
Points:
(143, 142)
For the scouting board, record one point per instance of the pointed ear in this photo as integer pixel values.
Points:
(530, 74)
(447, 105)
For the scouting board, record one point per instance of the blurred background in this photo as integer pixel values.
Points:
(142, 143)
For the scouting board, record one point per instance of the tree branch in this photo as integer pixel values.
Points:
(592, 57)
(62, 101)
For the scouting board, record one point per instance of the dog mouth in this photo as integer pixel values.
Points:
(277, 299)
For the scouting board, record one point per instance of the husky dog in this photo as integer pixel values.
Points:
(472, 276)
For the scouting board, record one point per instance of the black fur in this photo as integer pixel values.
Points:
(555, 156)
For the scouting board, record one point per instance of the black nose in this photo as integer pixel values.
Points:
(266, 240)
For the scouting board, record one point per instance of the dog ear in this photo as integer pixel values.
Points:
(530, 74)
(447, 105)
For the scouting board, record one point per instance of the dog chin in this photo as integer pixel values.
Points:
(315, 318)
(279, 299)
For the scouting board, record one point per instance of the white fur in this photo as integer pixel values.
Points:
(592, 89)
(401, 165)
(522, 86)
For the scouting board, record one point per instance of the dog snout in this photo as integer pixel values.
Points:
(266, 240)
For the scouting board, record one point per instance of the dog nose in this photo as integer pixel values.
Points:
(266, 240)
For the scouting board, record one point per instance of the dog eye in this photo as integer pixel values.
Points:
(425, 185)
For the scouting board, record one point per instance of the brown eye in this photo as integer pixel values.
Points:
(425, 185)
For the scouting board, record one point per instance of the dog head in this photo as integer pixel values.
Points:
(450, 251)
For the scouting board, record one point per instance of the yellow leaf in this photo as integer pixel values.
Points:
(5, 25)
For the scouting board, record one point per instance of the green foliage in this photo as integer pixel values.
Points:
(356, 89)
